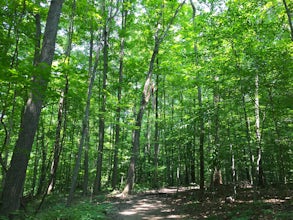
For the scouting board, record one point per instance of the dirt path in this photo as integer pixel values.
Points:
(182, 203)
(153, 205)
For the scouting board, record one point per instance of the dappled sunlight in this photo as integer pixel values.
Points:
(149, 208)
(184, 203)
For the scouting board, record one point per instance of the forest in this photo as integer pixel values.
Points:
(104, 97)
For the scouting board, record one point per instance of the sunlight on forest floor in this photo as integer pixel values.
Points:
(182, 203)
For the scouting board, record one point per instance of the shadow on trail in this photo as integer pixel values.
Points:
(149, 205)
(183, 203)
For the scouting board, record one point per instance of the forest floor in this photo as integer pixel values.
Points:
(183, 203)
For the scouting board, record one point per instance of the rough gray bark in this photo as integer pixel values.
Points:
(15, 178)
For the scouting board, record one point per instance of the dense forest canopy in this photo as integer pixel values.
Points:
(143, 93)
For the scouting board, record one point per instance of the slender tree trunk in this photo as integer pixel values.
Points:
(92, 77)
(91, 71)
(57, 145)
(97, 184)
(86, 163)
(217, 174)
(119, 95)
(15, 178)
(259, 168)
(248, 137)
(288, 12)
(38, 36)
(280, 153)
(201, 116)
(8, 134)
(156, 144)
(42, 177)
(136, 132)
(201, 141)
(146, 93)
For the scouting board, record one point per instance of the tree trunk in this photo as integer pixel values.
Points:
(201, 142)
(15, 178)
(136, 132)
(92, 77)
(91, 71)
(288, 12)
(146, 93)
(259, 168)
(57, 145)
(278, 143)
(42, 177)
(86, 163)
(97, 183)
(119, 94)
(156, 144)
(201, 116)
(38, 36)
(7, 139)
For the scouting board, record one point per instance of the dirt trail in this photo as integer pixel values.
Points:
(153, 205)
(183, 203)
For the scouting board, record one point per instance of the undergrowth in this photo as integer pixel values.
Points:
(54, 208)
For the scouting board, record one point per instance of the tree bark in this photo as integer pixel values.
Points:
(146, 93)
(15, 178)
(156, 144)
(119, 95)
(288, 12)
(97, 183)
(259, 168)
(201, 116)
(57, 145)
(92, 77)
(278, 143)
(42, 177)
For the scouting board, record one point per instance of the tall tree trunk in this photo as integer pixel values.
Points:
(278, 143)
(156, 144)
(259, 168)
(201, 141)
(201, 116)
(288, 12)
(91, 71)
(97, 183)
(217, 174)
(248, 138)
(136, 132)
(146, 93)
(42, 177)
(86, 163)
(8, 134)
(84, 128)
(57, 145)
(38, 36)
(15, 178)
(119, 94)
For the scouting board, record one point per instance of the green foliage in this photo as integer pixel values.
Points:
(221, 52)
(84, 210)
